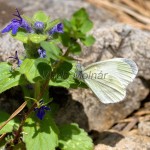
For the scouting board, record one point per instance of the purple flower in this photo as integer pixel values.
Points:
(57, 29)
(39, 25)
(19, 62)
(40, 111)
(42, 53)
(17, 23)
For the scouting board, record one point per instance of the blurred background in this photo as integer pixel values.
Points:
(133, 12)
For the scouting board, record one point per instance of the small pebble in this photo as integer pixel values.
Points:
(144, 128)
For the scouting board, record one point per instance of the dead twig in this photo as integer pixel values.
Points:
(130, 125)
(142, 112)
(127, 11)
(137, 7)
(14, 114)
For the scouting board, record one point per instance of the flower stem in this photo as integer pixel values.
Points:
(38, 95)
(36, 89)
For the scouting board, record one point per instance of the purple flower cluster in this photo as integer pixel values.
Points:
(17, 23)
(42, 53)
(57, 29)
(39, 26)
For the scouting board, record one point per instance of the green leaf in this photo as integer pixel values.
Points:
(67, 25)
(21, 36)
(41, 16)
(64, 77)
(52, 24)
(28, 68)
(40, 134)
(81, 13)
(2, 144)
(80, 35)
(88, 41)
(43, 67)
(19, 146)
(52, 51)
(65, 38)
(37, 38)
(78, 84)
(74, 138)
(9, 126)
(74, 48)
(8, 78)
(56, 41)
(79, 17)
(87, 26)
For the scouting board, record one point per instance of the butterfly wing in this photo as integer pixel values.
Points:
(109, 90)
(109, 79)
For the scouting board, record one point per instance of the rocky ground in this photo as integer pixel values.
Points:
(121, 126)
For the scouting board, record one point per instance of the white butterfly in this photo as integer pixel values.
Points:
(109, 79)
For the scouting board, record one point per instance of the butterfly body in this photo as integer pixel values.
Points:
(109, 79)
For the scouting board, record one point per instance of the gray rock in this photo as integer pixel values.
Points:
(61, 9)
(8, 46)
(144, 128)
(118, 141)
